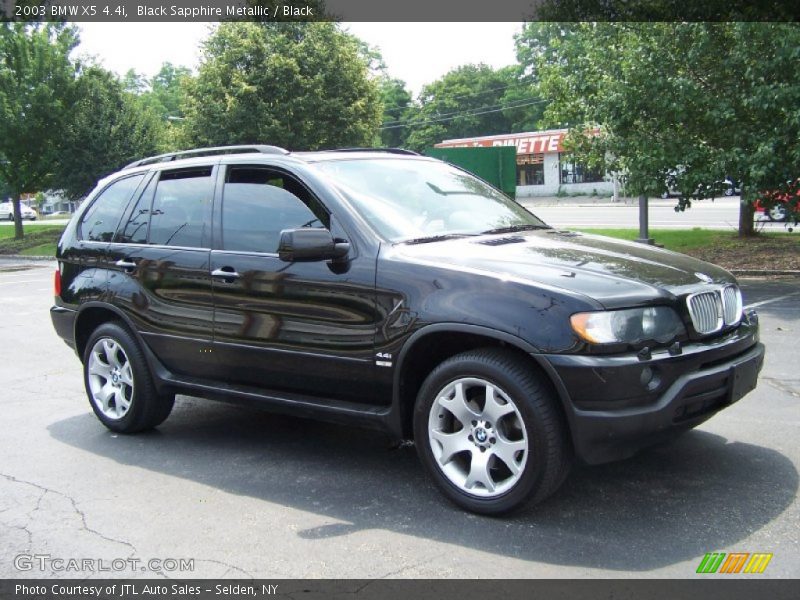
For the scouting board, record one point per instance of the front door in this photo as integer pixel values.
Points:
(304, 327)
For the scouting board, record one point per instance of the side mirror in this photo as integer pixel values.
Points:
(310, 244)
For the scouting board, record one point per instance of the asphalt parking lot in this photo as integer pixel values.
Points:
(248, 494)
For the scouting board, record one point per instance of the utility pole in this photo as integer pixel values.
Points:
(644, 234)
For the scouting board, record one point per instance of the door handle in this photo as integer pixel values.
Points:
(125, 264)
(225, 273)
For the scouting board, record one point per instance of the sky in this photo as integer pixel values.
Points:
(417, 53)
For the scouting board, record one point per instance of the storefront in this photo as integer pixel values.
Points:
(542, 167)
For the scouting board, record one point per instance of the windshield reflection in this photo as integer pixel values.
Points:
(424, 200)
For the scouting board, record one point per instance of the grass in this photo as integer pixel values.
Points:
(40, 250)
(39, 240)
(773, 250)
(679, 240)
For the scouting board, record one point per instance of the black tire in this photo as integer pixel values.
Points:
(147, 407)
(548, 455)
(777, 213)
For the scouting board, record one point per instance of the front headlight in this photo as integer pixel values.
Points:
(659, 323)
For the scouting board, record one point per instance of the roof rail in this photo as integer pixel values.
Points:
(387, 150)
(170, 156)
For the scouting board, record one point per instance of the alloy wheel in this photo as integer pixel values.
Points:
(110, 378)
(478, 438)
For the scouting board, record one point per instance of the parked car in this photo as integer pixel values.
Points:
(395, 291)
(7, 211)
(729, 186)
(725, 187)
(779, 204)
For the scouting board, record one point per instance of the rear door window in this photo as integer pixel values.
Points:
(181, 210)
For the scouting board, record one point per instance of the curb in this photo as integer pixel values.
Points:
(763, 272)
(25, 257)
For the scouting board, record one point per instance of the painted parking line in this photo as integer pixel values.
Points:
(23, 281)
(771, 300)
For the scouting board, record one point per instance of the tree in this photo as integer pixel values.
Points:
(301, 85)
(397, 103)
(36, 76)
(471, 100)
(108, 127)
(686, 102)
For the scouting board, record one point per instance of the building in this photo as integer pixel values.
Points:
(542, 167)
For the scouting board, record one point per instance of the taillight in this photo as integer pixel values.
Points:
(57, 283)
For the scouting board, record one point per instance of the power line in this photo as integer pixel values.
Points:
(471, 94)
(459, 116)
(455, 112)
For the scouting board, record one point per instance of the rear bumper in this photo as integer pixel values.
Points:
(686, 390)
(64, 324)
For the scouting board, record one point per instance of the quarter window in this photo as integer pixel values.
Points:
(259, 203)
(100, 220)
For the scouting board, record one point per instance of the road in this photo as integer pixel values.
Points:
(722, 213)
(245, 493)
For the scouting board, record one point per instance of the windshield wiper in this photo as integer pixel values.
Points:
(437, 238)
(513, 228)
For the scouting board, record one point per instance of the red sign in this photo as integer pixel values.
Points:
(526, 143)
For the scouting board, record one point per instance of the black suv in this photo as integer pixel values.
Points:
(391, 290)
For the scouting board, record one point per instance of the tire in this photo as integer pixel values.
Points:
(729, 191)
(119, 384)
(10, 216)
(777, 213)
(523, 425)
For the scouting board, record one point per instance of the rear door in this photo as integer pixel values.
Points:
(160, 261)
(86, 263)
(304, 327)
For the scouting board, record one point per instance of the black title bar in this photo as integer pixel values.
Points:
(398, 10)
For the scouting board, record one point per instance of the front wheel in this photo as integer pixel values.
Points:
(489, 432)
(119, 384)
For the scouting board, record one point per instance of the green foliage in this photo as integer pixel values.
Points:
(468, 101)
(36, 78)
(108, 127)
(297, 85)
(685, 102)
(397, 104)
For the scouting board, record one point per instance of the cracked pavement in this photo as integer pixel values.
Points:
(248, 494)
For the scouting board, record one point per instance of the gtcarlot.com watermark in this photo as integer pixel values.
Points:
(53, 564)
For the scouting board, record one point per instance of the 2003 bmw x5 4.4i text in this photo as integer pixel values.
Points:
(386, 289)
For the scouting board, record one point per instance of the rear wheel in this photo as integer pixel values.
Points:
(489, 432)
(119, 383)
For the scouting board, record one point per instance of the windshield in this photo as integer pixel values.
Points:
(420, 200)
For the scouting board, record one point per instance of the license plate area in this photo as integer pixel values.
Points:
(743, 378)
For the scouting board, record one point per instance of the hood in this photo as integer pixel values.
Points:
(613, 272)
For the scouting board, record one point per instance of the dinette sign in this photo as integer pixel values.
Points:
(525, 143)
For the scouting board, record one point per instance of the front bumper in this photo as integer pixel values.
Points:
(618, 405)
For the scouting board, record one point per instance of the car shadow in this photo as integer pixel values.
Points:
(666, 505)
